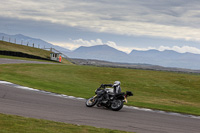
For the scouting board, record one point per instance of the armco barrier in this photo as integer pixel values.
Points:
(20, 54)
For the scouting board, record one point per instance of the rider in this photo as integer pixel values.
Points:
(116, 86)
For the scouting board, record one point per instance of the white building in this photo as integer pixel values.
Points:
(56, 57)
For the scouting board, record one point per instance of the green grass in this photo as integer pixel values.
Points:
(17, 124)
(167, 91)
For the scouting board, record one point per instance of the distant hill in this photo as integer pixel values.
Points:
(102, 52)
(24, 40)
(167, 58)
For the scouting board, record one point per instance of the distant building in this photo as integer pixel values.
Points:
(56, 57)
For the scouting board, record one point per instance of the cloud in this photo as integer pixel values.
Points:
(81, 42)
(175, 19)
(69, 46)
(183, 49)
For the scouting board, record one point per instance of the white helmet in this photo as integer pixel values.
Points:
(116, 83)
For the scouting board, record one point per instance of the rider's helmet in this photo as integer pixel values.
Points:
(116, 83)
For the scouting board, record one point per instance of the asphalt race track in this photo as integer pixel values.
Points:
(16, 61)
(44, 105)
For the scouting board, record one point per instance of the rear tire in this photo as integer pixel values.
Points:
(91, 102)
(117, 105)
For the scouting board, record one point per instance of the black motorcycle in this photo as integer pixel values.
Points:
(106, 98)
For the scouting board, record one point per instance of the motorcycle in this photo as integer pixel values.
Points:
(114, 101)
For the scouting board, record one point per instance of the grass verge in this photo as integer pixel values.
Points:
(17, 124)
(167, 91)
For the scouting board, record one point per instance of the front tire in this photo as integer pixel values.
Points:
(117, 105)
(91, 102)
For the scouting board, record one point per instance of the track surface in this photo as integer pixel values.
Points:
(45, 106)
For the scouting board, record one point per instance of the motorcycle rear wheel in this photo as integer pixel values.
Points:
(91, 102)
(117, 105)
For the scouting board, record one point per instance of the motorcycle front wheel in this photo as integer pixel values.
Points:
(117, 105)
(91, 102)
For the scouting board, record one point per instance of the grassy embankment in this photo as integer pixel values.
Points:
(28, 50)
(16, 124)
(24, 49)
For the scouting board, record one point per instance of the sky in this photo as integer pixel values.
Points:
(122, 24)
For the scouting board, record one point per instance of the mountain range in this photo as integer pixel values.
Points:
(167, 58)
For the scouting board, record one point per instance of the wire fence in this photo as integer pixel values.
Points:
(28, 42)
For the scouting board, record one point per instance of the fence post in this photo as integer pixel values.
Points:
(33, 44)
(2, 38)
(15, 40)
(9, 39)
(21, 42)
(27, 43)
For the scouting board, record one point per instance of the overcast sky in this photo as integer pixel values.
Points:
(123, 24)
